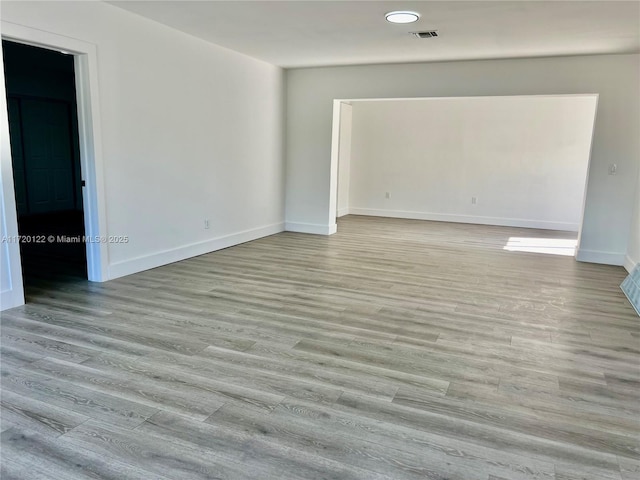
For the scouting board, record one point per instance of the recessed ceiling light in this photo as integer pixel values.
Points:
(402, 17)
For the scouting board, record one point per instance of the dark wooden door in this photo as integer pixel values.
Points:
(42, 148)
(48, 155)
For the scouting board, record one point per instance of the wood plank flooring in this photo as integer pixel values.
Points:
(395, 349)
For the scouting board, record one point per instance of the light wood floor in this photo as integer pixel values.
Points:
(394, 349)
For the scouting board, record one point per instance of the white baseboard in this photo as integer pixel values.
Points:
(342, 212)
(606, 258)
(629, 263)
(314, 228)
(158, 259)
(11, 299)
(445, 217)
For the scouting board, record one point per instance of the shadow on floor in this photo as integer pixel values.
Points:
(50, 258)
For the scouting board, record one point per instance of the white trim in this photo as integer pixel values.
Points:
(11, 298)
(629, 263)
(146, 262)
(343, 211)
(312, 228)
(586, 179)
(594, 256)
(446, 217)
(93, 194)
(89, 132)
(12, 293)
(333, 163)
(350, 101)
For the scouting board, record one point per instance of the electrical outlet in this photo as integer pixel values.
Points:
(474, 200)
(387, 195)
(613, 169)
(206, 224)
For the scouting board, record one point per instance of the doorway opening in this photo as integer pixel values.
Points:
(516, 161)
(92, 197)
(45, 153)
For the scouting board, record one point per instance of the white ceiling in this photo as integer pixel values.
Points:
(319, 33)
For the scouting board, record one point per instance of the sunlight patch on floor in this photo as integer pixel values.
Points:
(550, 246)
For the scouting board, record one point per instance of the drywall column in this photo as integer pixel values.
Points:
(632, 258)
(344, 158)
(631, 285)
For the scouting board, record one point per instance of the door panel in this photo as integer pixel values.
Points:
(38, 188)
(63, 186)
(48, 157)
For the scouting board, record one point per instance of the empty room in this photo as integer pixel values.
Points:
(320, 240)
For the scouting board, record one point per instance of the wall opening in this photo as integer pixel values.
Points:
(88, 151)
(517, 161)
(45, 154)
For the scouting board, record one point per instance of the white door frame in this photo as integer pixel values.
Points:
(93, 195)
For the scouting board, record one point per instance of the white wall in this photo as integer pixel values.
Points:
(190, 131)
(616, 78)
(523, 158)
(344, 158)
(633, 252)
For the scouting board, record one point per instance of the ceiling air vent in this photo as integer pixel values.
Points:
(428, 34)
